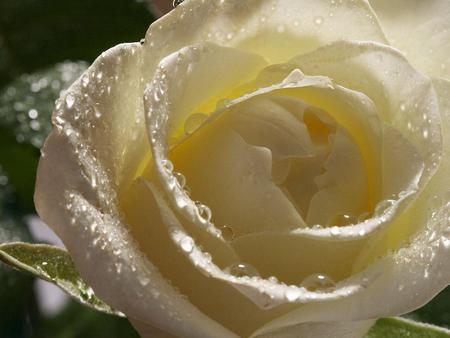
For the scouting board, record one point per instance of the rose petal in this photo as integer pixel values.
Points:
(77, 179)
(293, 258)
(234, 180)
(421, 30)
(342, 189)
(274, 29)
(420, 268)
(403, 98)
(262, 292)
(273, 123)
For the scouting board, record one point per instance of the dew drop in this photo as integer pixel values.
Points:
(227, 233)
(318, 20)
(292, 293)
(193, 122)
(425, 133)
(242, 270)
(317, 282)
(335, 231)
(168, 165)
(93, 226)
(273, 279)
(180, 179)
(382, 206)
(187, 244)
(204, 212)
(403, 107)
(70, 100)
(144, 280)
(446, 243)
(85, 81)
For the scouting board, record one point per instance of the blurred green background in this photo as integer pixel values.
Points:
(44, 46)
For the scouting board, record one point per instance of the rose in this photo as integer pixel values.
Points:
(316, 139)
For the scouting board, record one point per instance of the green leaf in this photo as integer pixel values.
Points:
(402, 328)
(54, 265)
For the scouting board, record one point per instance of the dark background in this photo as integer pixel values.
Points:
(44, 46)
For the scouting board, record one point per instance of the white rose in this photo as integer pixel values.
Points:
(315, 135)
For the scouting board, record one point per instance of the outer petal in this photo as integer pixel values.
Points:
(75, 194)
(275, 29)
(421, 30)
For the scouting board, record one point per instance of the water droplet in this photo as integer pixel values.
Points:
(318, 282)
(335, 231)
(180, 179)
(229, 36)
(99, 76)
(382, 206)
(144, 280)
(292, 293)
(204, 212)
(93, 226)
(187, 244)
(85, 80)
(168, 165)
(70, 100)
(446, 243)
(193, 122)
(242, 270)
(207, 256)
(296, 23)
(318, 20)
(227, 232)
(403, 107)
(273, 279)
(425, 133)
